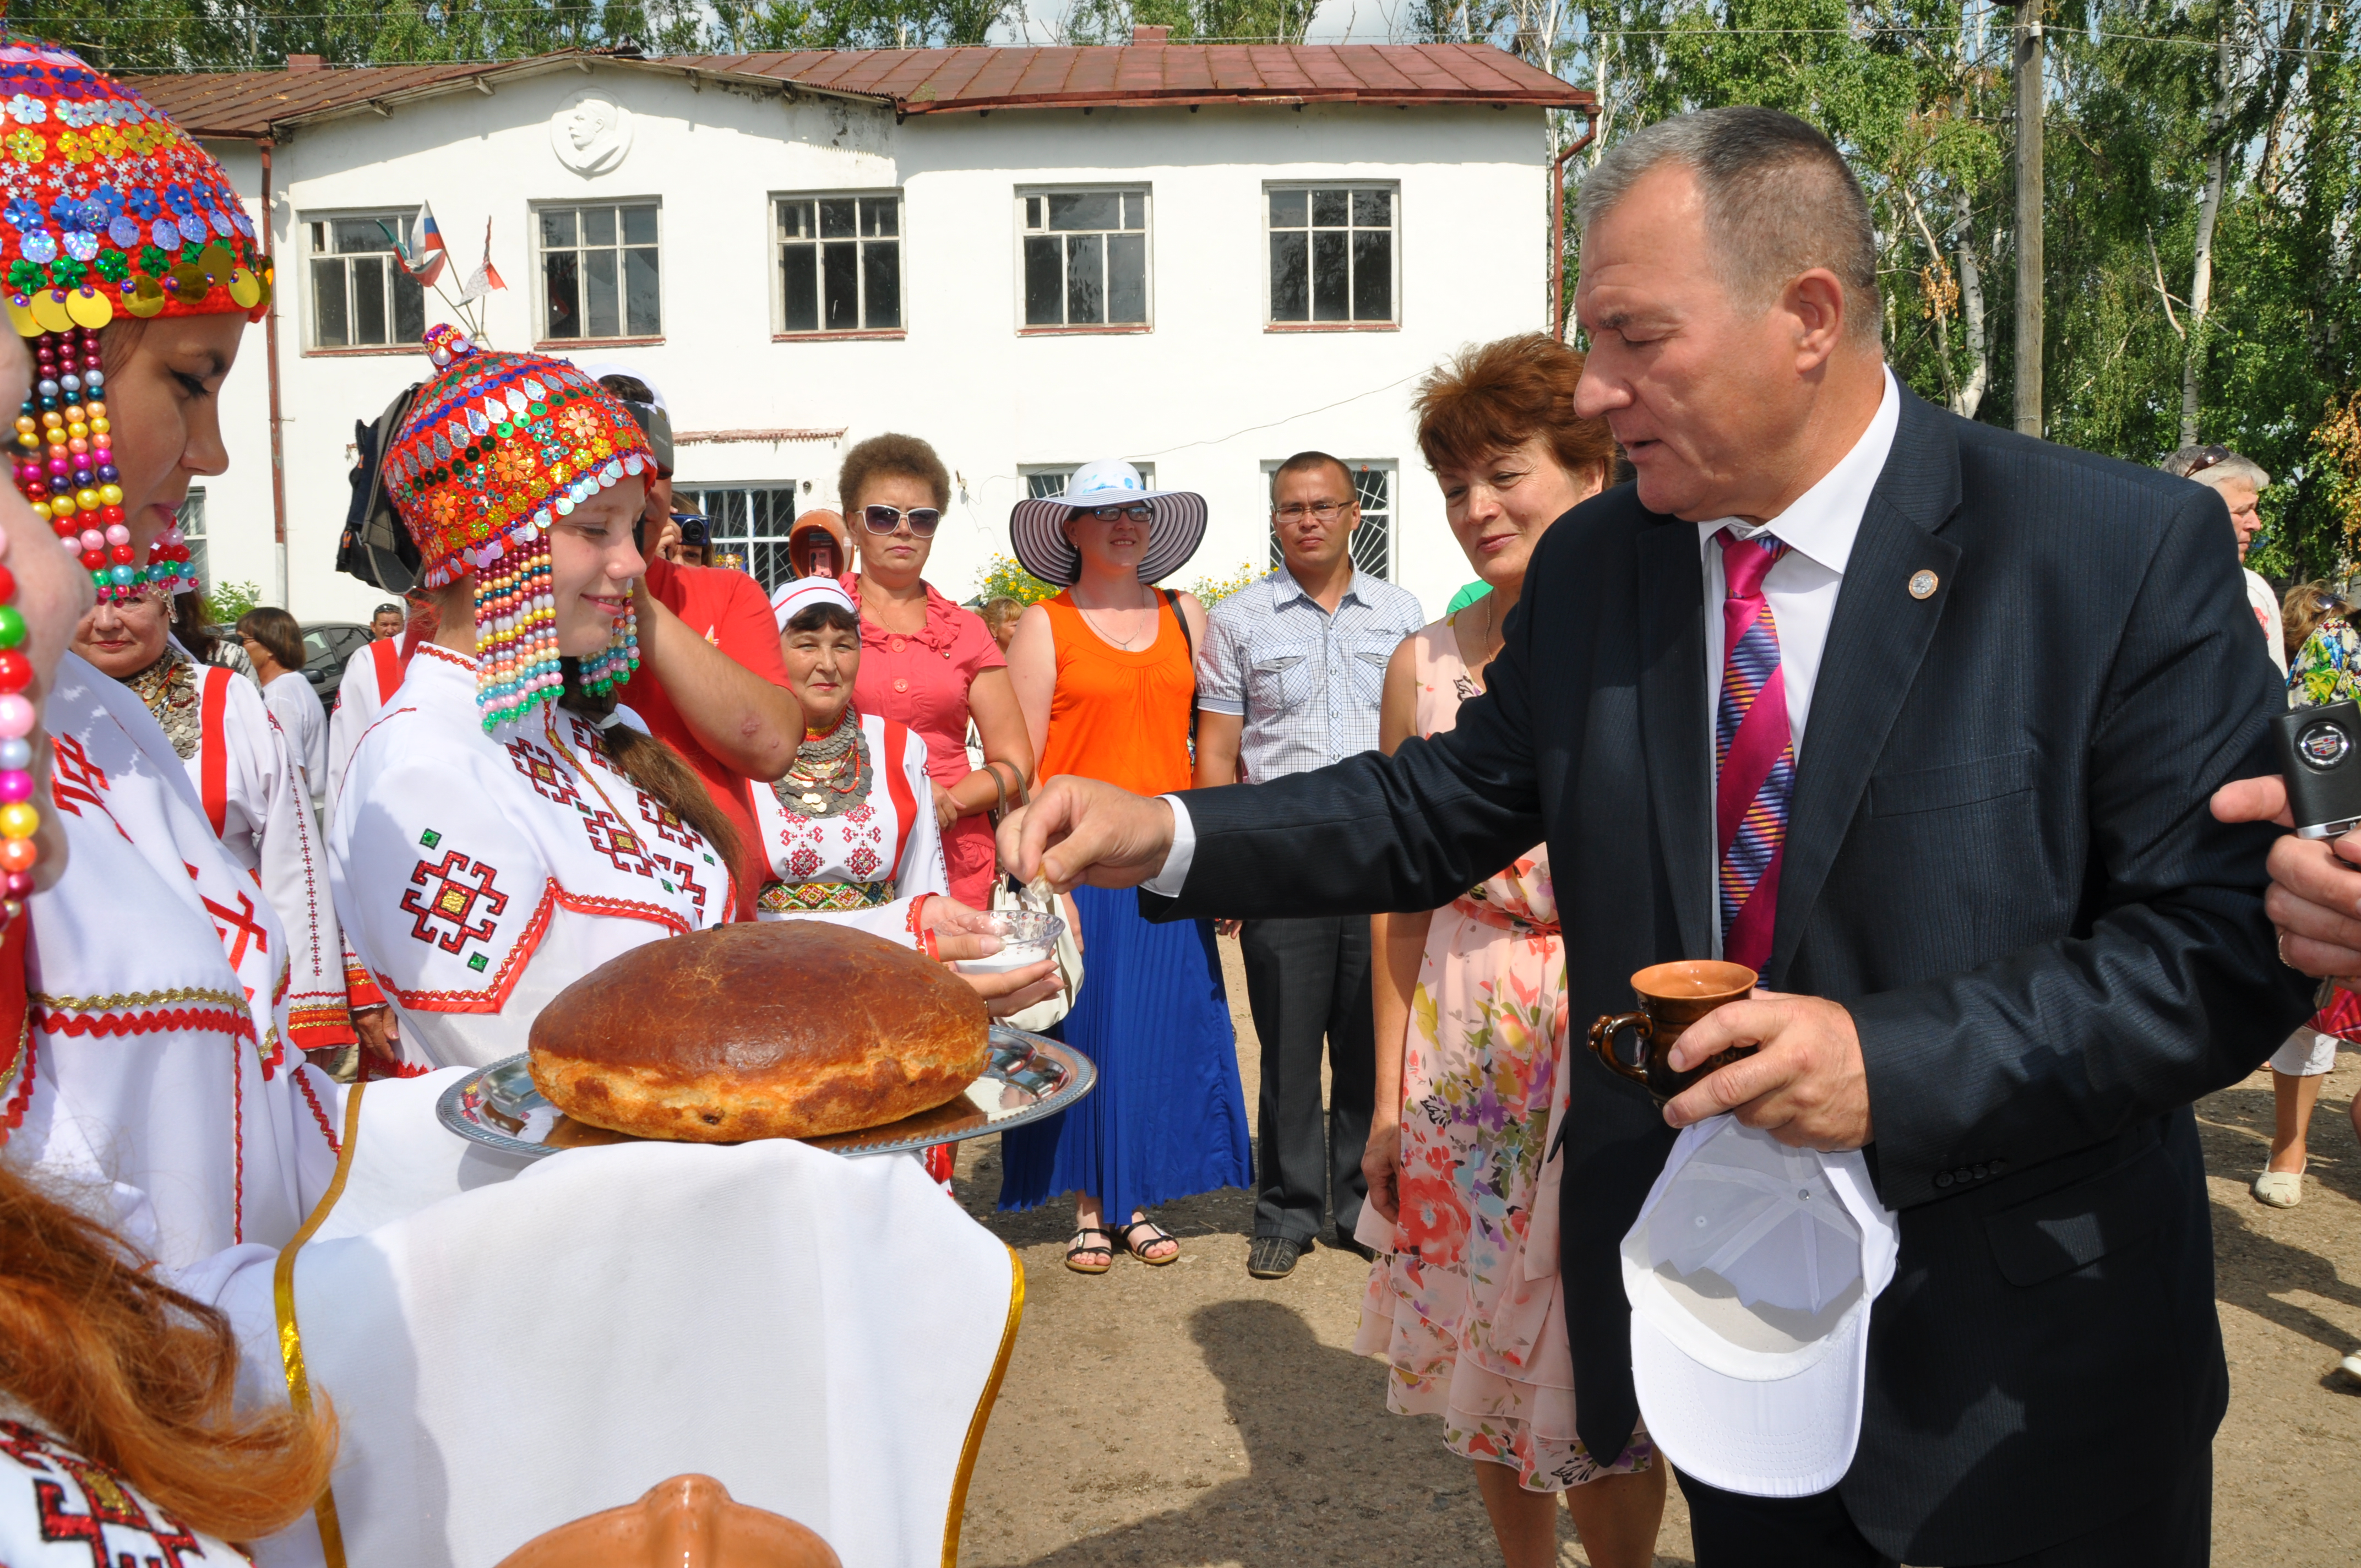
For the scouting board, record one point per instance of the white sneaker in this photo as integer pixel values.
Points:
(2279, 1188)
(2351, 1366)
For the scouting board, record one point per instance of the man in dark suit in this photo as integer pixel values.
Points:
(1969, 853)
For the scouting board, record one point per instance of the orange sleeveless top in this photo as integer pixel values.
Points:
(1117, 717)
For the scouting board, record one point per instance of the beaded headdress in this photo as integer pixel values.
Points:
(497, 446)
(107, 210)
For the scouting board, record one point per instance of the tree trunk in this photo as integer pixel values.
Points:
(1970, 395)
(2201, 281)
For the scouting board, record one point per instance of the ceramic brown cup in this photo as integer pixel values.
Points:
(1671, 997)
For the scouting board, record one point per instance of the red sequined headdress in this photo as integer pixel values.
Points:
(108, 209)
(496, 448)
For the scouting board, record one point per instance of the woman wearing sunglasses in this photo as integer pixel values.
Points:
(1105, 674)
(926, 663)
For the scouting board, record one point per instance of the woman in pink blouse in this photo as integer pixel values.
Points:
(926, 663)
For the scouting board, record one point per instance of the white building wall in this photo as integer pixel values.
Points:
(1208, 395)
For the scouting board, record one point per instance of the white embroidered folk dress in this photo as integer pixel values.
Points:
(155, 1058)
(252, 791)
(296, 707)
(59, 1509)
(478, 875)
(866, 865)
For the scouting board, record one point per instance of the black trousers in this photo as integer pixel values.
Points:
(2172, 1529)
(1308, 984)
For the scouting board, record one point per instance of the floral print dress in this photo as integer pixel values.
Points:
(1465, 1306)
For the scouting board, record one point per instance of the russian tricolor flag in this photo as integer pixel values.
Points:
(426, 256)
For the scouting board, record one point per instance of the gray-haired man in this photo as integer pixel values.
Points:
(1288, 681)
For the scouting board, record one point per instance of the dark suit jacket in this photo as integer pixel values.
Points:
(1999, 857)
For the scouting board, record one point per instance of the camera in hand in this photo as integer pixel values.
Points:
(2320, 755)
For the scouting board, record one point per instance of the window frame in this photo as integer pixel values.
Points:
(1146, 189)
(702, 495)
(1029, 472)
(576, 204)
(400, 219)
(780, 331)
(190, 518)
(1390, 467)
(1394, 253)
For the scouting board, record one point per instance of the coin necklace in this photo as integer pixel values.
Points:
(830, 775)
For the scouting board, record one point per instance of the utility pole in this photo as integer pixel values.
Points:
(2026, 39)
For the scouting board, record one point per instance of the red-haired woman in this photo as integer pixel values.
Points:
(117, 1441)
(1471, 1029)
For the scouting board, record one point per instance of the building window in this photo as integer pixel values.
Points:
(1042, 480)
(841, 263)
(750, 527)
(360, 296)
(598, 272)
(1372, 545)
(1085, 258)
(191, 519)
(1332, 253)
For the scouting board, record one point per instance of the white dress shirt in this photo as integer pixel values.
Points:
(1818, 530)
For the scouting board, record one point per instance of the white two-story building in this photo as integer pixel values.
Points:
(1199, 258)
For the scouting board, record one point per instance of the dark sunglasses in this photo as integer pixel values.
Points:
(1138, 512)
(2206, 458)
(885, 519)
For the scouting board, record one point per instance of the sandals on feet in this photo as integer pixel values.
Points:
(2279, 1188)
(1155, 1234)
(1081, 1251)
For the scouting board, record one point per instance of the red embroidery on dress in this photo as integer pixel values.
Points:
(803, 864)
(105, 1503)
(242, 921)
(541, 770)
(860, 814)
(319, 1113)
(684, 873)
(496, 995)
(452, 900)
(18, 1101)
(74, 776)
(165, 1021)
(667, 823)
(861, 862)
(626, 849)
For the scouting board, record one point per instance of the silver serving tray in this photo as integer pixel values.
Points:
(1028, 1077)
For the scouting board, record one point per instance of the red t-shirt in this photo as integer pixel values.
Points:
(729, 609)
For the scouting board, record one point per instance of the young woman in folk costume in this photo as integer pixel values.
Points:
(249, 784)
(504, 828)
(155, 1058)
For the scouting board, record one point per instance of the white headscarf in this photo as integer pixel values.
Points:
(793, 598)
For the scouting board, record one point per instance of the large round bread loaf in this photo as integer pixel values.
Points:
(777, 1029)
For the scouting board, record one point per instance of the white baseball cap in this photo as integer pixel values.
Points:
(1750, 1271)
(792, 599)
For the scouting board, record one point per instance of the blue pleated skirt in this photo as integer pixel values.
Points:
(1167, 1118)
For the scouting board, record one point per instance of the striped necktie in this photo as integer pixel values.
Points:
(1754, 755)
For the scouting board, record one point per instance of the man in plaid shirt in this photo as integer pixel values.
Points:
(1288, 681)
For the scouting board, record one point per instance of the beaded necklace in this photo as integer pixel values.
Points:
(19, 820)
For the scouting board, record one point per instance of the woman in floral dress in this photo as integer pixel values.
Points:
(1462, 1299)
(2323, 667)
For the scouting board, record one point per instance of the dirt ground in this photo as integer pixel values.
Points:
(1191, 1416)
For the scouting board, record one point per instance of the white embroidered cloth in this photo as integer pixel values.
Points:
(155, 1059)
(891, 837)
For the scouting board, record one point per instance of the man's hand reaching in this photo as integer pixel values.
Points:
(1079, 830)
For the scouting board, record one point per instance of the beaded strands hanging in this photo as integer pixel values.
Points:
(65, 468)
(19, 820)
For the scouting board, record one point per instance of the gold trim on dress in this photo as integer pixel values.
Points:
(134, 998)
(290, 1338)
(983, 1413)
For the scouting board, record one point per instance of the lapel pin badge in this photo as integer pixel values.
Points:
(1923, 584)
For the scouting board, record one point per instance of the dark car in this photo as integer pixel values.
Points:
(326, 645)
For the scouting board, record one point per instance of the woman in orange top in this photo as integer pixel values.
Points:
(1106, 675)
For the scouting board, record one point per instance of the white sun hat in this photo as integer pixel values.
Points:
(793, 598)
(1750, 1271)
(1037, 528)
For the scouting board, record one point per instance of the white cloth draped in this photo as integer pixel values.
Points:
(155, 1061)
(478, 875)
(891, 836)
(304, 722)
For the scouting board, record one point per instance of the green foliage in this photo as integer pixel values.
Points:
(1210, 591)
(226, 602)
(1004, 577)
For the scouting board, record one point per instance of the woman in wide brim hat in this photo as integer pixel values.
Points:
(1036, 528)
(1105, 674)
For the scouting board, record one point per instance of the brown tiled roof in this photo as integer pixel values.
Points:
(920, 82)
(936, 80)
